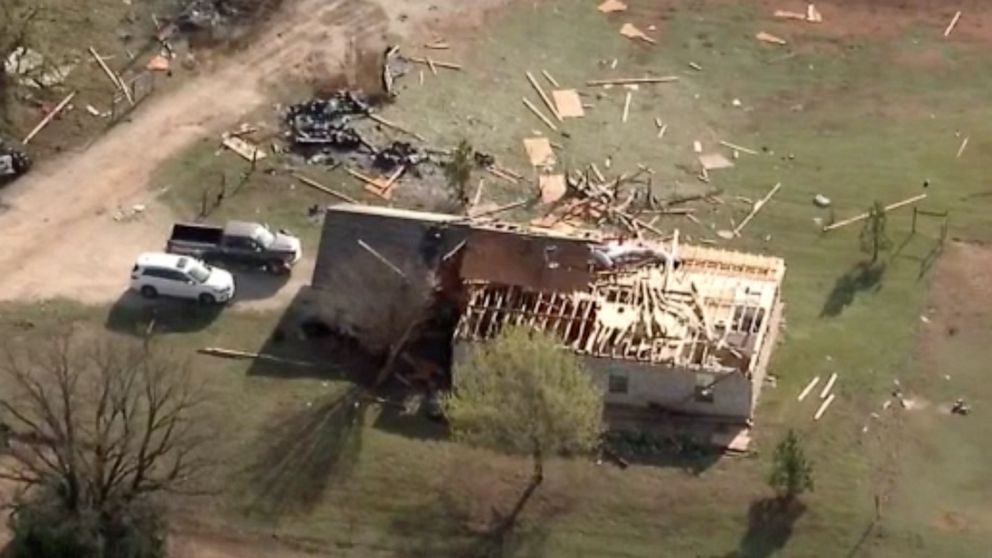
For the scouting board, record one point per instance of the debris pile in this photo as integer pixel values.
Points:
(13, 163)
(319, 124)
(398, 154)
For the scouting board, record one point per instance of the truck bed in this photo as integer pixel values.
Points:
(187, 237)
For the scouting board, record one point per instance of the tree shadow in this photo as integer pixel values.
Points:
(862, 277)
(442, 528)
(133, 315)
(769, 527)
(300, 455)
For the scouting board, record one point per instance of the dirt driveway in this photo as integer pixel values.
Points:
(59, 236)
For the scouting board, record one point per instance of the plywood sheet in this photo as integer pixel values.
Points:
(568, 103)
(539, 152)
(715, 161)
(610, 6)
(552, 187)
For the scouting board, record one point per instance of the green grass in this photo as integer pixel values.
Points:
(296, 464)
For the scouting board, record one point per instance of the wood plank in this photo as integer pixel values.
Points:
(48, 118)
(863, 216)
(628, 81)
(544, 97)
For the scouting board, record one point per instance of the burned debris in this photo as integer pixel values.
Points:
(13, 163)
(396, 155)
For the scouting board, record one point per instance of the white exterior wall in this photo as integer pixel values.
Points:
(675, 388)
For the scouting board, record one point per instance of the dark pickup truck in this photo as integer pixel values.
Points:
(13, 163)
(238, 242)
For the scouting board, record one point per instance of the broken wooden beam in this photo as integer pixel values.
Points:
(435, 63)
(952, 24)
(550, 78)
(245, 355)
(886, 209)
(114, 78)
(823, 407)
(499, 209)
(385, 261)
(538, 113)
(830, 384)
(757, 207)
(318, 186)
(626, 106)
(964, 144)
(809, 387)
(48, 118)
(628, 81)
(544, 97)
(738, 147)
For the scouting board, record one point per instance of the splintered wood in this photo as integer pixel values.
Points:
(715, 161)
(539, 152)
(769, 38)
(244, 148)
(632, 32)
(863, 216)
(568, 103)
(611, 6)
(552, 187)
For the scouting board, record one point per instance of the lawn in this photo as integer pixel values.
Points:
(850, 116)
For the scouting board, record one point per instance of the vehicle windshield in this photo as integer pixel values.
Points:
(199, 273)
(264, 237)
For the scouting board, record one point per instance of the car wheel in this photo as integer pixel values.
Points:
(277, 267)
(207, 299)
(149, 292)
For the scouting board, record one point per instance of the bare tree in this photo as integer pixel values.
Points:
(104, 422)
(458, 171)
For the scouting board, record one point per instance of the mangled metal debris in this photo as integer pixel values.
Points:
(13, 163)
(398, 154)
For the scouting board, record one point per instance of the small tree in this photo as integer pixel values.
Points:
(97, 426)
(792, 473)
(458, 171)
(874, 238)
(523, 394)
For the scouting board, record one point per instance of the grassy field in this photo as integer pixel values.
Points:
(835, 119)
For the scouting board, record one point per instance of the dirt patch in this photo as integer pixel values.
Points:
(950, 521)
(960, 300)
(883, 19)
(59, 237)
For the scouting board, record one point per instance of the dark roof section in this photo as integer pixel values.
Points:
(540, 263)
(357, 288)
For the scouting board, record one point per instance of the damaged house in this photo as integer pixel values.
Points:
(681, 329)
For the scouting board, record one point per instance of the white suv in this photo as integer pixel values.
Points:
(157, 274)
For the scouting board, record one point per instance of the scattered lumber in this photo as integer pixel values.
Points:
(568, 103)
(715, 161)
(786, 14)
(539, 151)
(318, 186)
(695, 66)
(813, 15)
(809, 387)
(431, 63)
(245, 149)
(395, 126)
(550, 78)
(823, 407)
(544, 97)
(48, 118)
(385, 261)
(630, 31)
(547, 121)
(500, 209)
(626, 107)
(114, 78)
(757, 207)
(863, 216)
(478, 193)
(552, 187)
(245, 355)
(500, 173)
(964, 143)
(628, 81)
(830, 383)
(736, 147)
(769, 38)
(952, 24)
(611, 6)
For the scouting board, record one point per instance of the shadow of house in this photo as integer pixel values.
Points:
(255, 284)
(863, 276)
(133, 315)
(769, 527)
(300, 335)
